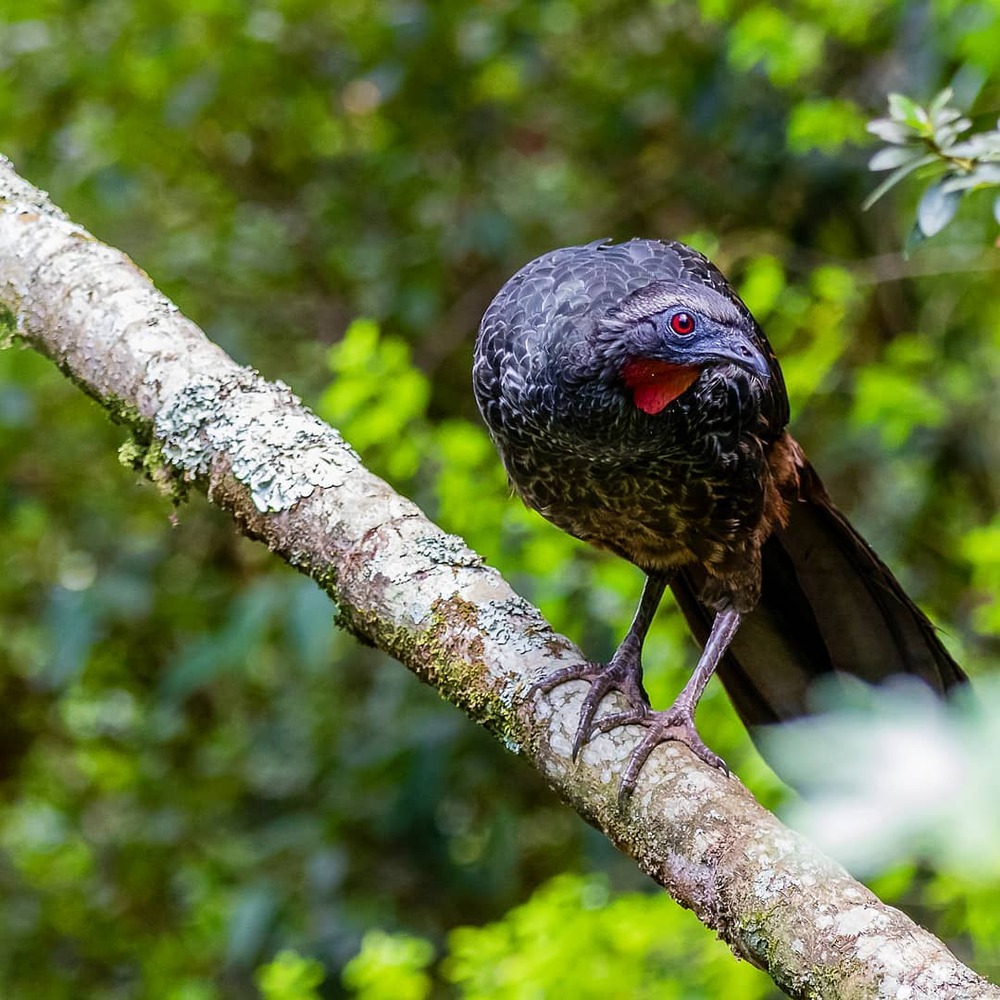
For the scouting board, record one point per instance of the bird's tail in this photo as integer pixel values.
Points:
(828, 605)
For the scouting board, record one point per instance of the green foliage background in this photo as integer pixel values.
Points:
(206, 790)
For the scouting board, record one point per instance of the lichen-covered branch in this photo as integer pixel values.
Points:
(423, 596)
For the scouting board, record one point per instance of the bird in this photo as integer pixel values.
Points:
(636, 404)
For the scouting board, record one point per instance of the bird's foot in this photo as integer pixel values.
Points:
(675, 724)
(622, 674)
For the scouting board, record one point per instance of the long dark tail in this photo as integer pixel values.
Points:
(828, 604)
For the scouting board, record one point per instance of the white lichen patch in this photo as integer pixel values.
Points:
(703, 843)
(446, 550)
(695, 781)
(876, 946)
(514, 623)
(771, 884)
(278, 449)
(859, 920)
(606, 751)
(561, 743)
(891, 988)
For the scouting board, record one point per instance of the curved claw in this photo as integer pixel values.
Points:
(599, 687)
(557, 677)
(603, 678)
(673, 725)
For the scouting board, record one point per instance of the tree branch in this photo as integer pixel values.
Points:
(423, 596)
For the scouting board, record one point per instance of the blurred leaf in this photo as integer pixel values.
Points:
(937, 208)
(902, 395)
(377, 399)
(762, 285)
(500, 80)
(290, 977)
(904, 109)
(73, 628)
(981, 547)
(787, 49)
(573, 938)
(931, 798)
(891, 131)
(983, 145)
(226, 648)
(251, 918)
(826, 125)
(895, 404)
(888, 159)
(938, 105)
(390, 967)
(946, 134)
(896, 176)
(985, 175)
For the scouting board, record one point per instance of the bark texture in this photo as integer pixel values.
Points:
(423, 596)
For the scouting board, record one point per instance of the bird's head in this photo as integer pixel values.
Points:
(659, 339)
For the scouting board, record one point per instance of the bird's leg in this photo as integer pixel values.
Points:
(677, 722)
(623, 672)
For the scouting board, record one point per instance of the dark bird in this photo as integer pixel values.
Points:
(637, 405)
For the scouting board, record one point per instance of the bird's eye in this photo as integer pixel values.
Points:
(682, 323)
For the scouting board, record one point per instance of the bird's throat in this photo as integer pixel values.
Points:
(655, 384)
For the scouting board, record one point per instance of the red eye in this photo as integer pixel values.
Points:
(682, 324)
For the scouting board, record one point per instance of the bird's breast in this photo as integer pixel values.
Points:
(652, 501)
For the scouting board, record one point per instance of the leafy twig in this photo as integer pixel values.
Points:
(936, 141)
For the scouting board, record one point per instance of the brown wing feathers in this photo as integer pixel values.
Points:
(828, 603)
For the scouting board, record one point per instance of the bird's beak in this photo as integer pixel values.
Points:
(735, 347)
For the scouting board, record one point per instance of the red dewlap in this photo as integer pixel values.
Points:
(654, 384)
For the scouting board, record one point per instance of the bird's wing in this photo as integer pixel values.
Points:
(828, 604)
